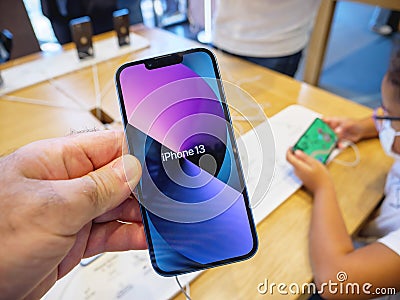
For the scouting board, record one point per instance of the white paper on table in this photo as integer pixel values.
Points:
(65, 62)
(120, 275)
(287, 126)
(129, 275)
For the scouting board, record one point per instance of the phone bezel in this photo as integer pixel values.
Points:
(176, 58)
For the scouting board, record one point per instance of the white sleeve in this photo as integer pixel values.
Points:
(392, 240)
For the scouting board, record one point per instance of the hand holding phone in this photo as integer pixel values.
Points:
(194, 202)
(318, 141)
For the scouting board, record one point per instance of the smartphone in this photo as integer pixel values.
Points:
(318, 141)
(193, 198)
(121, 26)
(82, 36)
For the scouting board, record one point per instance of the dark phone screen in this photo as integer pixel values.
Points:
(81, 31)
(196, 209)
(318, 141)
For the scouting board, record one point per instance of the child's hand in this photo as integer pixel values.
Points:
(346, 129)
(312, 173)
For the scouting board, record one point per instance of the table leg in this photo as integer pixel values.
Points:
(318, 42)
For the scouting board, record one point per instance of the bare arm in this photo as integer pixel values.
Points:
(351, 129)
(62, 200)
(331, 248)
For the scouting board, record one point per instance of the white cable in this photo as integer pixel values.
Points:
(96, 84)
(65, 93)
(353, 163)
(185, 292)
(106, 88)
(187, 286)
(97, 92)
(36, 101)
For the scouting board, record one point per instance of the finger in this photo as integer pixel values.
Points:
(337, 125)
(331, 121)
(100, 147)
(339, 130)
(290, 157)
(300, 155)
(115, 236)
(127, 211)
(88, 197)
(342, 145)
(75, 254)
(125, 149)
(71, 156)
(294, 160)
(43, 287)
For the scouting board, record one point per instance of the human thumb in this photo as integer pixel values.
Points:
(99, 191)
(302, 156)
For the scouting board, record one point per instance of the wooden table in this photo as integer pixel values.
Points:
(320, 36)
(283, 235)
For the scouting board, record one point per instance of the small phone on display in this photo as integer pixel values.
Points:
(6, 45)
(121, 26)
(82, 36)
(194, 202)
(318, 141)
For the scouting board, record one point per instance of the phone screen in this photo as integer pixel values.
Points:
(318, 141)
(194, 202)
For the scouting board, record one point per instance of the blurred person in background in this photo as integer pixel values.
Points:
(61, 12)
(270, 33)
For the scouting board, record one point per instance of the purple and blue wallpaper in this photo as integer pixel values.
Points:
(195, 209)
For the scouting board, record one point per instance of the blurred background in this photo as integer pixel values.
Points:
(356, 57)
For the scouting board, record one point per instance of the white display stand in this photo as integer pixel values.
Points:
(287, 126)
(53, 66)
